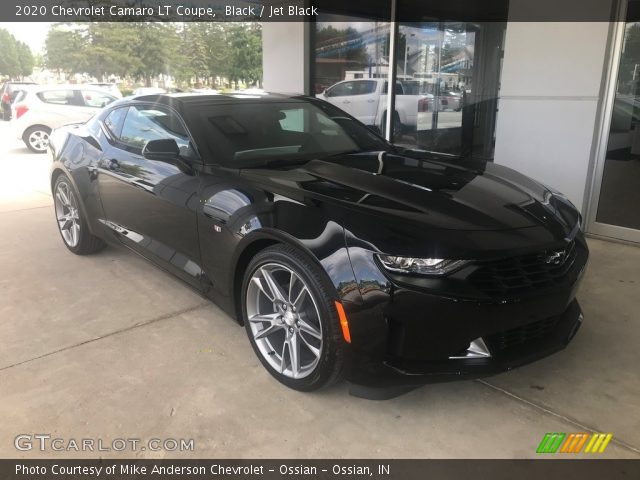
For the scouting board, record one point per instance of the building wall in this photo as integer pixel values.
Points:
(285, 58)
(549, 98)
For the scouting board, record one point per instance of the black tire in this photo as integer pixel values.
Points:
(87, 243)
(329, 366)
(41, 131)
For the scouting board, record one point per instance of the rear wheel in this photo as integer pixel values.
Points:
(37, 138)
(71, 223)
(291, 319)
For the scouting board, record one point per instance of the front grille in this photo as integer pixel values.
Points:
(521, 335)
(526, 273)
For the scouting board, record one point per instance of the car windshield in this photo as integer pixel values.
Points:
(255, 134)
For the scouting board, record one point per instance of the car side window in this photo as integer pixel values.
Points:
(364, 87)
(356, 87)
(96, 99)
(19, 96)
(341, 90)
(398, 88)
(113, 122)
(58, 97)
(152, 122)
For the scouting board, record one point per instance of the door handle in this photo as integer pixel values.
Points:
(346, 101)
(114, 164)
(371, 100)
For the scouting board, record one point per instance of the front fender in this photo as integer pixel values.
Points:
(72, 158)
(328, 251)
(238, 219)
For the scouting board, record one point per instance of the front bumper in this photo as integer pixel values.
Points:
(548, 336)
(403, 335)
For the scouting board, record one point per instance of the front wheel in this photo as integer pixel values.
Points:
(291, 318)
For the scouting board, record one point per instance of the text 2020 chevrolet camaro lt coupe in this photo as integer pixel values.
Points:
(341, 254)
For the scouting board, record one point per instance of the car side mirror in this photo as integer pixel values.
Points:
(164, 150)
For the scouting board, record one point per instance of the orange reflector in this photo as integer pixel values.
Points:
(343, 322)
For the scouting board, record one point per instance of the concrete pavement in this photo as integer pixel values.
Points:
(109, 346)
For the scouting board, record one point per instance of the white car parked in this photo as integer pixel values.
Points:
(45, 107)
(366, 99)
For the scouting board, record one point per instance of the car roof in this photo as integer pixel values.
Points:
(9, 83)
(41, 88)
(191, 98)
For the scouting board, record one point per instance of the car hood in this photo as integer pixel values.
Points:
(444, 194)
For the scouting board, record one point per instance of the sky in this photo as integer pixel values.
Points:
(31, 33)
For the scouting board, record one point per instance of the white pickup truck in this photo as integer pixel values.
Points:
(366, 99)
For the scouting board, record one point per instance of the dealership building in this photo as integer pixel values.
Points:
(556, 100)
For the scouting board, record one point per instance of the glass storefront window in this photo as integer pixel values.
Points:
(446, 78)
(449, 73)
(619, 190)
(347, 48)
(351, 65)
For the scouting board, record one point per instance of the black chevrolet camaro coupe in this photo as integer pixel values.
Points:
(340, 253)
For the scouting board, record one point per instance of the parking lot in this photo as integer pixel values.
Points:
(108, 346)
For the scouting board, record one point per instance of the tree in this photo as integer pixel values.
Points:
(16, 58)
(25, 59)
(203, 53)
(153, 46)
(245, 52)
(145, 50)
(110, 49)
(194, 57)
(9, 64)
(65, 49)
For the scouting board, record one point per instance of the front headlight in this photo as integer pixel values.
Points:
(422, 266)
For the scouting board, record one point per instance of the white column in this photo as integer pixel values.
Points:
(551, 80)
(285, 58)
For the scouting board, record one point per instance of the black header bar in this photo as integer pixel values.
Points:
(408, 11)
(544, 469)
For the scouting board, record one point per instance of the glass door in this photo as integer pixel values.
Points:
(448, 74)
(616, 200)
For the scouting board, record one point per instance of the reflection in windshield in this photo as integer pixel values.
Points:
(247, 134)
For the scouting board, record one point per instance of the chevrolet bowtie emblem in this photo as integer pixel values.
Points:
(555, 258)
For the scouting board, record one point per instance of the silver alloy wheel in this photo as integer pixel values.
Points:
(67, 214)
(39, 140)
(284, 320)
